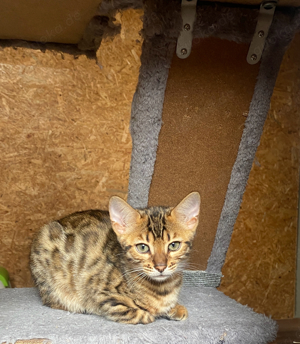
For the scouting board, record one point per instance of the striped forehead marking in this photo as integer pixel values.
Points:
(156, 221)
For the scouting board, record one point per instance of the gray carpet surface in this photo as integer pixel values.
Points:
(213, 319)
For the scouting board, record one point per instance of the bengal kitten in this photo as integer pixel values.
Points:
(125, 264)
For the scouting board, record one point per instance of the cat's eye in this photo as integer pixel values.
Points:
(142, 248)
(174, 246)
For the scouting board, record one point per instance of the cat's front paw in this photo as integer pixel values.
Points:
(179, 312)
(142, 317)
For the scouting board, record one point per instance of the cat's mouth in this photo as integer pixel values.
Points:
(160, 277)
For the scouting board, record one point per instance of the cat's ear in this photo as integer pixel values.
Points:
(187, 211)
(122, 215)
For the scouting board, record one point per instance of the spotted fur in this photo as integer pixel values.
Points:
(89, 262)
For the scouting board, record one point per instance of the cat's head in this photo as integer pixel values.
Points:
(156, 240)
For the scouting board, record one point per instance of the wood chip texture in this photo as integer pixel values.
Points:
(64, 135)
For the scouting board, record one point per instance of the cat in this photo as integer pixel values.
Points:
(124, 264)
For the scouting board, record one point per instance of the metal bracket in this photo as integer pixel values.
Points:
(184, 42)
(264, 21)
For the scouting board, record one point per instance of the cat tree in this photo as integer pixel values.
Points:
(213, 317)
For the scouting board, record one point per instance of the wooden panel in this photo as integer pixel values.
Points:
(46, 21)
(64, 135)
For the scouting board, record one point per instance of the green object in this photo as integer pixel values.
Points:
(4, 277)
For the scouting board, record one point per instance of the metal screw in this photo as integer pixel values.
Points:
(187, 27)
(183, 51)
(261, 33)
(253, 57)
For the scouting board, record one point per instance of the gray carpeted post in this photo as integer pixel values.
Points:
(161, 29)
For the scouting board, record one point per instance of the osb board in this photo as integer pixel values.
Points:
(206, 103)
(260, 266)
(61, 21)
(64, 135)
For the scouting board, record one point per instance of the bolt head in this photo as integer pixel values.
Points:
(261, 33)
(253, 57)
(183, 51)
(187, 27)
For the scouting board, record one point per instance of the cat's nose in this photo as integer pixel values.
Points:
(160, 268)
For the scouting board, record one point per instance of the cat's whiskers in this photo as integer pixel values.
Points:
(133, 281)
(142, 276)
(131, 277)
(131, 273)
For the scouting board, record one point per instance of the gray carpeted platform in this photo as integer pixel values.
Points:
(213, 319)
